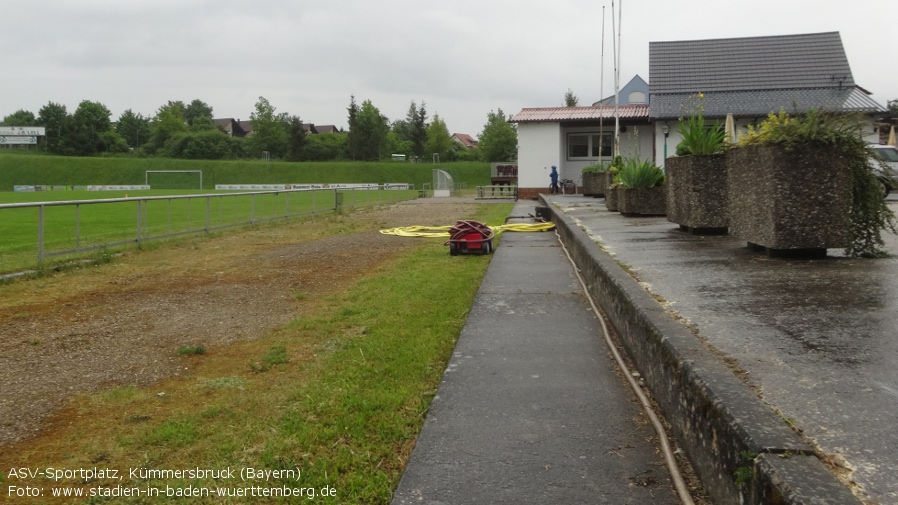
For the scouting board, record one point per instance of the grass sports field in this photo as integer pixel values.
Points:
(109, 226)
(147, 214)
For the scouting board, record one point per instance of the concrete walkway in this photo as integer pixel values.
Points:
(814, 339)
(532, 408)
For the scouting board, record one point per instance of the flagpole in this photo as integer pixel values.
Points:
(616, 76)
(602, 88)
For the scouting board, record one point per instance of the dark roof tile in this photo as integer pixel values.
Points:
(813, 60)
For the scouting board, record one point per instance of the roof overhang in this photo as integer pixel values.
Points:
(759, 103)
(569, 115)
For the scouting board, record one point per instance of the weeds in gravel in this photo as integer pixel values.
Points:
(191, 350)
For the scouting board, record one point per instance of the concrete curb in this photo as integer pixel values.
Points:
(723, 427)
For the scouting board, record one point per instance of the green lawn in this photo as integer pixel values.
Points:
(101, 227)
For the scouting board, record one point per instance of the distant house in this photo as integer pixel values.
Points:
(316, 129)
(751, 77)
(234, 127)
(464, 140)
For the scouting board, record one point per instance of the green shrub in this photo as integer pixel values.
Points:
(699, 138)
(636, 173)
(596, 168)
(869, 214)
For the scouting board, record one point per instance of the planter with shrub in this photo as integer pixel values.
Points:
(642, 190)
(802, 185)
(595, 180)
(697, 178)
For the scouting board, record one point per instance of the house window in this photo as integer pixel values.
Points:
(636, 97)
(585, 146)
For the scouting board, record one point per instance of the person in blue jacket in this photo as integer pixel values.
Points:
(553, 176)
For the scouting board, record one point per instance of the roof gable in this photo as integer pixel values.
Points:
(636, 84)
(815, 60)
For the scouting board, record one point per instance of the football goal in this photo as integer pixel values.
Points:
(174, 179)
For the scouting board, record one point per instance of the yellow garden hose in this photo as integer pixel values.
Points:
(443, 231)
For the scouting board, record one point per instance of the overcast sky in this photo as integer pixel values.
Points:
(463, 58)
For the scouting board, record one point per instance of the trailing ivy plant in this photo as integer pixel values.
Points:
(637, 173)
(698, 137)
(869, 214)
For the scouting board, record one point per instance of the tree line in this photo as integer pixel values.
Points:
(186, 130)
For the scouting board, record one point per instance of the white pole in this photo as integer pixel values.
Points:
(616, 78)
(602, 88)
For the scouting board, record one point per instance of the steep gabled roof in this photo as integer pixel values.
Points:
(465, 140)
(754, 75)
(815, 60)
(637, 83)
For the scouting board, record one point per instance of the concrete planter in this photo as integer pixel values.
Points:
(789, 201)
(643, 201)
(697, 193)
(611, 199)
(594, 184)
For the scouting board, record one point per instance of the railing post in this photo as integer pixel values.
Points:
(77, 226)
(40, 235)
(252, 209)
(208, 212)
(139, 220)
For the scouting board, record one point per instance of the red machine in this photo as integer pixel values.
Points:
(470, 237)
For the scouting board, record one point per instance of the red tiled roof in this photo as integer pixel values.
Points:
(556, 114)
(465, 139)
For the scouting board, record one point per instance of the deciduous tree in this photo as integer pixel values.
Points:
(325, 147)
(89, 122)
(270, 130)
(197, 109)
(20, 117)
(438, 139)
(499, 139)
(134, 128)
(368, 131)
(56, 120)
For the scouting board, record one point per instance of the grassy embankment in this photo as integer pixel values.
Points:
(20, 168)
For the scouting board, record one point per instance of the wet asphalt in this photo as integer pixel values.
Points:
(532, 407)
(816, 338)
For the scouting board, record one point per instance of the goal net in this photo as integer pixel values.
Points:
(174, 179)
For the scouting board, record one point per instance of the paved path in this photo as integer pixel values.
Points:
(531, 408)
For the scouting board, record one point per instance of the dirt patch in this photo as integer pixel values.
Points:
(122, 323)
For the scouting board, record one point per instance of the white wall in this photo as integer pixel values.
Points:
(637, 142)
(539, 147)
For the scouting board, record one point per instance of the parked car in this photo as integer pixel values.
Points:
(886, 165)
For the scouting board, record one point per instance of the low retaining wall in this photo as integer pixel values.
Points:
(742, 451)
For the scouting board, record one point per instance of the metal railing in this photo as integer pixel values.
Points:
(32, 233)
